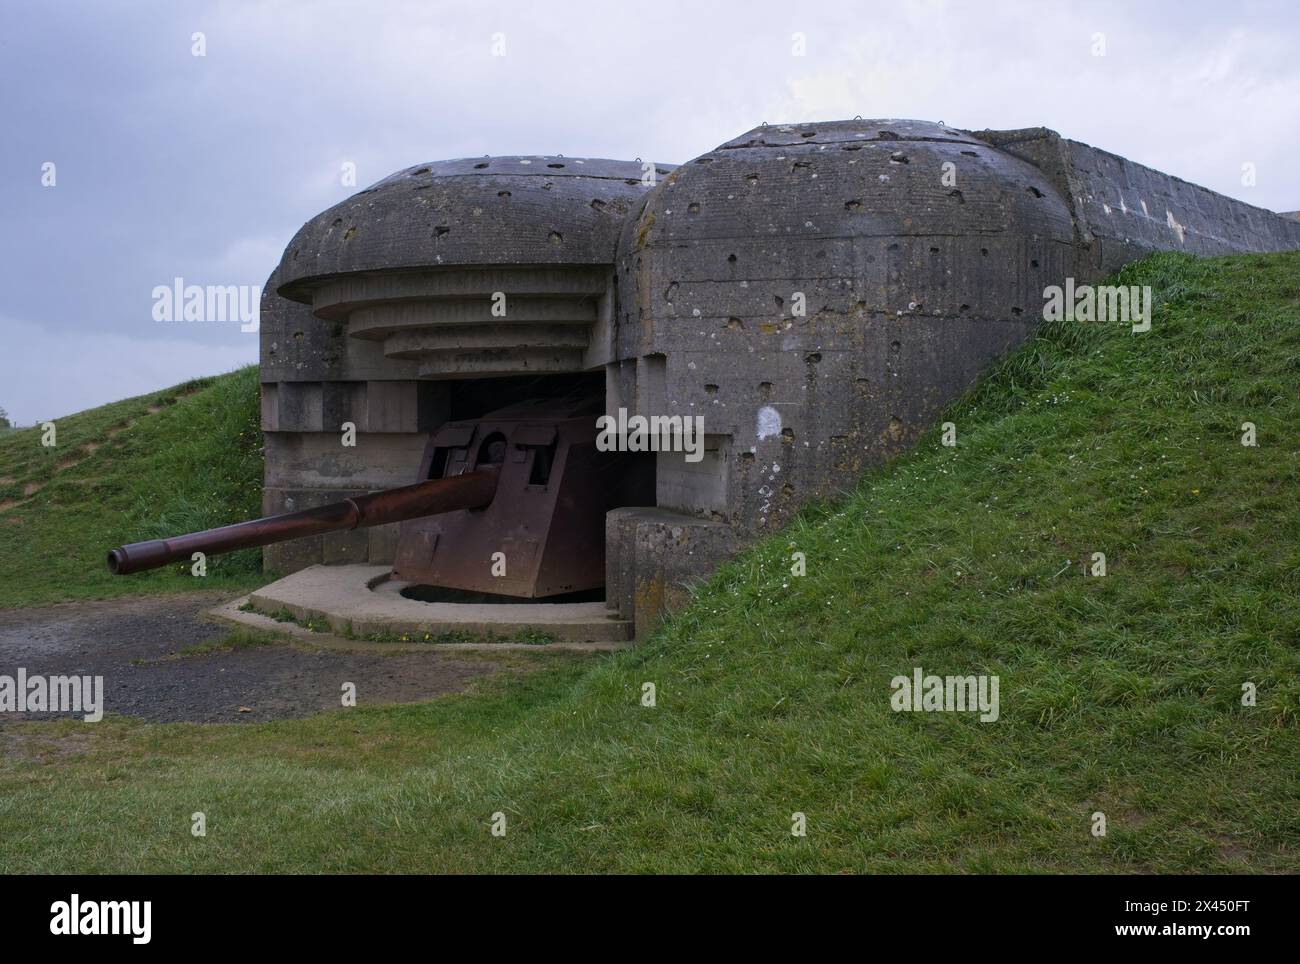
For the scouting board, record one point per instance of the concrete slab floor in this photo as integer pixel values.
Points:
(359, 600)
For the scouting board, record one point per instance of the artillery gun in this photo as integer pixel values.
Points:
(511, 504)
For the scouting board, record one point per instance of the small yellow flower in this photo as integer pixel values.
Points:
(1196, 491)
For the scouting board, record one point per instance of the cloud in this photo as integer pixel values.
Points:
(171, 165)
(244, 261)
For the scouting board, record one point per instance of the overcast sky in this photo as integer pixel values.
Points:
(172, 165)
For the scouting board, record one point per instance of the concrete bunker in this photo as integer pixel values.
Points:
(816, 293)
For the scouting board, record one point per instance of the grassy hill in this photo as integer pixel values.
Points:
(178, 460)
(1120, 694)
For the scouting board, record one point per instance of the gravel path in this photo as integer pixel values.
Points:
(134, 644)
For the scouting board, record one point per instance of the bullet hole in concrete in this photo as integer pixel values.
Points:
(863, 385)
(898, 157)
(693, 207)
(735, 324)
(297, 336)
(1033, 262)
(961, 198)
(821, 254)
(984, 252)
(671, 292)
(970, 153)
(555, 237)
(347, 235)
(1034, 191)
(887, 135)
(933, 249)
(631, 181)
(1017, 311)
(798, 164)
(422, 170)
(441, 231)
(787, 436)
(808, 134)
(963, 308)
(812, 358)
(871, 259)
(765, 390)
(710, 389)
(337, 222)
(503, 193)
(731, 259)
(747, 457)
(895, 427)
(547, 185)
(480, 165)
(851, 147)
(597, 204)
(854, 205)
(895, 346)
(555, 165)
(780, 302)
(894, 246)
(752, 179)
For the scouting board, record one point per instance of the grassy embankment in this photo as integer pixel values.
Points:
(174, 461)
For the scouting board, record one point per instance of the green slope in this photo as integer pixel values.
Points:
(174, 461)
(1119, 694)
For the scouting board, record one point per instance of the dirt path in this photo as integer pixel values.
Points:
(134, 644)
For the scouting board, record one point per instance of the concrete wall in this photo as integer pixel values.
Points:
(912, 285)
(1124, 211)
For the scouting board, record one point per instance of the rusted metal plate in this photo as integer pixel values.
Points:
(544, 533)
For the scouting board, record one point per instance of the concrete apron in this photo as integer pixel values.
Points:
(359, 600)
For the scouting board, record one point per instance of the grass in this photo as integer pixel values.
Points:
(1120, 694)
(174, 461)
(237, 639)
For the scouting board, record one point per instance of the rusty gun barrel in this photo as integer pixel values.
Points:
(472, 490)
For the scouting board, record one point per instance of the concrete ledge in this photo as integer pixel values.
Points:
(229, 612)
(362, 599)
